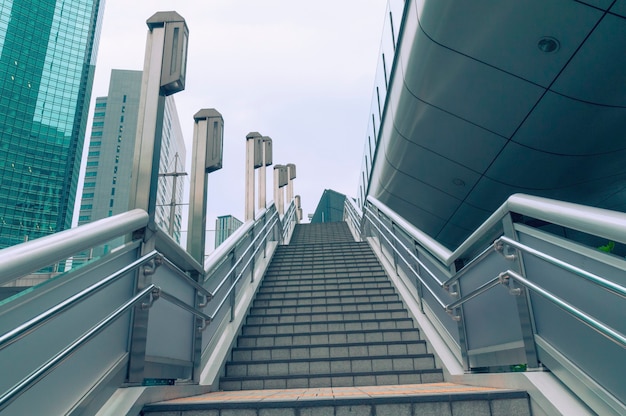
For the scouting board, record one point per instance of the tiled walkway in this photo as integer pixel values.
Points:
(332, 393)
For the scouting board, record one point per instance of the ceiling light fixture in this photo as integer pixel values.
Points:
(548, 44)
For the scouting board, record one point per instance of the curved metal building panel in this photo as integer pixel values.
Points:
(488, 99)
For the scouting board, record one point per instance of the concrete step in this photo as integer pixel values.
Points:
(326, 308)
(326, 317)
(325, 286)
(366, 378)
(329, 297)
(330, 337)
(291, 280)
(330, 366)
(299, 294)
(329, 326)
(328, 351)
(400, 400)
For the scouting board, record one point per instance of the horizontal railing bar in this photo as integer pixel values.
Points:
(595, 221)
(432, 275)
(28, 257)
(232, 287)
(233, 268)
(474, 293)
(588, 320)
(593, 278)
(174, 300)
(186, 278)
(29, 326)
(30, 380)
(469, 266)
(439, 301)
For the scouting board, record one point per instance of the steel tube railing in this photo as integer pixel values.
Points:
(439, 301)
(39, 320)
(28, 257)
(30, 380)
(430, 273)
(233, 268)
(588, 320)
(174, 300)
(234, 284)
(593, 278)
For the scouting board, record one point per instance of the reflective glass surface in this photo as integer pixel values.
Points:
(46, 72)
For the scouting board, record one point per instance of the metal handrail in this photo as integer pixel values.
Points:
(432, 275)
(597, 221)
(185, 278)
(234, 284)
(174, 300)
(287, 219)
(218, 257)
(31, 379)
(39, 320)
(474, 293)
(593, 278)
(354, 213)
(233, 268)
(439, 301)
(28, 257)
(586, 319)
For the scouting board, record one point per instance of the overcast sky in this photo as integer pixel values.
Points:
(301, 72)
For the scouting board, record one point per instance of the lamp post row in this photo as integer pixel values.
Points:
(164, 74)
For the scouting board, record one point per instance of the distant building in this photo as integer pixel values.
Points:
(47, 63)
(110, 158)
(225, 225)
(330, 207)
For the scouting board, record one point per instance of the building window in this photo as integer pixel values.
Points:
(96, 153)
(88, 195)
(89, 185)
(86, 206)
(112, 191)
(86, 218)
(111, 203)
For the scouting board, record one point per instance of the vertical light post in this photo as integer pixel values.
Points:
(163, 74)
(208, 140)
(254, 159)
(267, 161)
(281, 178)
(298, 204)
(291, 175)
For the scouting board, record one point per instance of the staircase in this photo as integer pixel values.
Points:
(327, 332)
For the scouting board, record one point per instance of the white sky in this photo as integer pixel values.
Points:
(301, 72)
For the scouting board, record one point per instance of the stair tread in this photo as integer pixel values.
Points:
(326, 396)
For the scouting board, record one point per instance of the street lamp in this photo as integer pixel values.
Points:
(208, 141)
(163, 74)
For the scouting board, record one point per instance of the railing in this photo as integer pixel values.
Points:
(520, 280)
(49, 331)
(19, 260)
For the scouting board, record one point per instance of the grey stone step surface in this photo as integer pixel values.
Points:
(328, 326)
(347, 379)
(337, 337)
(329, 351)
(325, 317)
(330, 297)
(327, 307)
(308, 350)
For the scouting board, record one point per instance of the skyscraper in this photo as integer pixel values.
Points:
(225, 225)
(47, 62)
(110, 157)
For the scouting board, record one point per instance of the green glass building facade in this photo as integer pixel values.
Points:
(47, 63)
